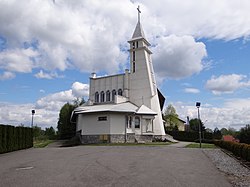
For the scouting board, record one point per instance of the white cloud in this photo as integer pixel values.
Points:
(224, 116)
(178, 57)
(47, 108)
(226, 83)
(17, 60)
(42, 75)
(192, 90)
(7, 75)
(79, 89)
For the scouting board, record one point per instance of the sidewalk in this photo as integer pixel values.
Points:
(180, 144)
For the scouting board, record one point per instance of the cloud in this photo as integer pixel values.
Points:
(192, 90)
(178, 56)
(226, 83)
(7, 75)
(42, 75)
(79, 89)
(47, 108)
(17, 60)
(56, 100)
(225, 116)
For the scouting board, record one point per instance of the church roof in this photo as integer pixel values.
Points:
(126, 107)
(145, 110)
(138, 33)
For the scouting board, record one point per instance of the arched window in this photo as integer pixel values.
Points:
(120, 92)
(113, 95)
(108, 95)
(137, 122)
(102, 96)
(96, 97)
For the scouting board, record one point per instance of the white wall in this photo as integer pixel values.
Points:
(89, 124)
(117, 123)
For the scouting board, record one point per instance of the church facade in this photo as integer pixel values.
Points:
(124, 107)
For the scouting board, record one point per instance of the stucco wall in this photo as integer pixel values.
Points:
(89, 124)
(117, 123)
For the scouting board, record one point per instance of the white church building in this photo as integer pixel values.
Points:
(124, 107)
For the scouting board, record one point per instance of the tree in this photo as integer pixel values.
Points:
(50, 133)
(194, 125)
(66, 129)
(217, 134)
(38, 133)
(224, 131)
(244, 134)
(171, 118)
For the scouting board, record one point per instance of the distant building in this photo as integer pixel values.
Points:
(229, 138)
(124, 107)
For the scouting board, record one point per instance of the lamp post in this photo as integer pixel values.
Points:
(32, 113)
(198, 104)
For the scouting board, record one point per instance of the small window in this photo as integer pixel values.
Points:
(137, 122)
(137, 44)
(113, 95)
(133, 55)
(120, 92)
(133, 67)
(133, 45)
(102, 96)
(102, 118)
(108, 95)
(96, 97)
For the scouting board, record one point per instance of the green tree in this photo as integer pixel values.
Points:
(171, 118)
(224, 131)
(244, 134)
(217, 134)
(50, 133)
(66, 129)
(38, 133)
(194, 125)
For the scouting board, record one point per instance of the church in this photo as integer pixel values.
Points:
(125, 107)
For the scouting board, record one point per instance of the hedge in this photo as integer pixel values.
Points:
(15, 138)
(189, 136)
(238, 149)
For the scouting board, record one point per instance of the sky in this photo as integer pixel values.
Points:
(201, 53)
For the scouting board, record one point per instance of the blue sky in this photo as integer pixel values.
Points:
(201, 52)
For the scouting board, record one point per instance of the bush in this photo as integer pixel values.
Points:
(238, 149)
(189, 136)
(15, 138)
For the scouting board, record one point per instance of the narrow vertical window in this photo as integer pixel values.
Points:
(108, 95)
(120, 92)
(137, 44)
(96, 97)
(102, 96)
(113, 95)
(133, 67)
(137, 122)
(133, 44)
(133, 55)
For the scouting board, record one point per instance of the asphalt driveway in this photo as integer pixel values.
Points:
(110, 166)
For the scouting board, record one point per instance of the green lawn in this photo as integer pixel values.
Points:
(41, 143)
(203, 145)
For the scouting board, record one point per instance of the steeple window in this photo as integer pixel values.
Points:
(137, 44)
(97, 97)
(133, 55)
(120, 92)
(113, 95)
(107, 95)
(133, 68)
(133, 44)
(102, 96)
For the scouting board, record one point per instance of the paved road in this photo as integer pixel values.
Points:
(109, 166)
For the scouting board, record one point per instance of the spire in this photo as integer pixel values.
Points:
(138, 33)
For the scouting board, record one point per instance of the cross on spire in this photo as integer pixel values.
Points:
(138, 9)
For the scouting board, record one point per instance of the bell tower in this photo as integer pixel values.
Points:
(142, 84)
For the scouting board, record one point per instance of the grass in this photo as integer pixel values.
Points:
(130, 144)
(41, 143)
(203, 145)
